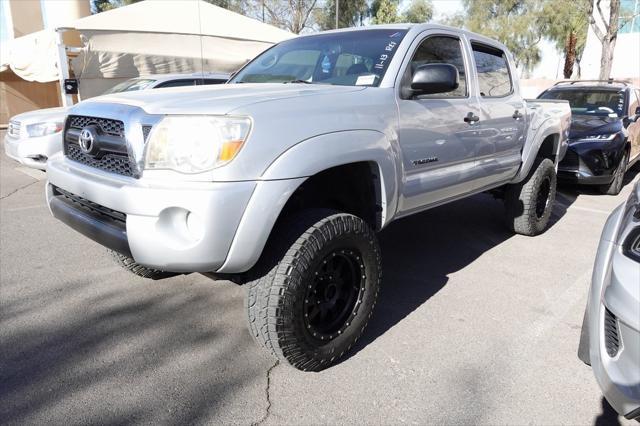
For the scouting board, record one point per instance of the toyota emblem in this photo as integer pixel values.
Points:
(86, 140)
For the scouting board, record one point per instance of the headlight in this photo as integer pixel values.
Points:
(600, 137)
(43, 129)
(195, 143)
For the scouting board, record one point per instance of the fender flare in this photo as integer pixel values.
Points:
(292, 168)
(549, 127)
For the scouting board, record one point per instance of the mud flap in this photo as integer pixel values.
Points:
(583, 346)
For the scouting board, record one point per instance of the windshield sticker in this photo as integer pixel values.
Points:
(365, 80)
(380, 64)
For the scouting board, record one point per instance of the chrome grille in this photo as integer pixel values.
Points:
(113, 163)
(14, 129)
(107, 125)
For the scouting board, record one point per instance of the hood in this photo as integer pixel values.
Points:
(587, 125)
(217, 99)
(40, 115)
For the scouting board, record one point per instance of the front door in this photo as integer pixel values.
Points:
(438, 145)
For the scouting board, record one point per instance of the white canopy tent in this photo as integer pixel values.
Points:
(149, 37)
(166, 36)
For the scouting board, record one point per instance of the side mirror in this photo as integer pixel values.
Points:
(430, 79)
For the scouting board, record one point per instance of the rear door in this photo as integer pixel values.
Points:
(502, 116)
(438, 145)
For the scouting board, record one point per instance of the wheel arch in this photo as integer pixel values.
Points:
(316, 166)
(547, 143)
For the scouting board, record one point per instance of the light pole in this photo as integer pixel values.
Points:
(337, 12)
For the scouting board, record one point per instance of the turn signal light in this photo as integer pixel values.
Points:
(229, 150)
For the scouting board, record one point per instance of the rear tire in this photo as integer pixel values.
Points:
(313, 294)
(129, 265)
(616, 184)
(529, 203)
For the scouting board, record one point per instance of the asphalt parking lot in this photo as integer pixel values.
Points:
(474, 326)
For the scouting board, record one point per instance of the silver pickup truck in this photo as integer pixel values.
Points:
(282, 177)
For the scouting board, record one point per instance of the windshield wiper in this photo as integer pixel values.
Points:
(297, 81)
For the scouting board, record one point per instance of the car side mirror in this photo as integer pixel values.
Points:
(430, 79)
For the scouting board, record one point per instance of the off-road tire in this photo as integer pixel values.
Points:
(616, 184)
(277, 287)
(525, 214)
(128, 264)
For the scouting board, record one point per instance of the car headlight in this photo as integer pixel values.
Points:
(195, 143)
(609, 137)
(44, 128)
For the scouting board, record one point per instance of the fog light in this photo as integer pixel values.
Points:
(180, 227)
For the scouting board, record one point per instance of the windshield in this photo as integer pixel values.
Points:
(130, 85)
(590, 101)
(351, 58)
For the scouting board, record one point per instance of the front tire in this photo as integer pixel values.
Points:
(529, 203)
(311, 302)
(130, 265)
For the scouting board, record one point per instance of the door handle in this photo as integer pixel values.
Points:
(517, 115)
(471, 118)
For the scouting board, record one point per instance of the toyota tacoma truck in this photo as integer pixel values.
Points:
(281, 178)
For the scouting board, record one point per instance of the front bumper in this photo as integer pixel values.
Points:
(33, 152)
(591, 163)
(614, 322)
(170, 226)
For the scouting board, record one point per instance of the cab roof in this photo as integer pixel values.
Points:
(415, 29)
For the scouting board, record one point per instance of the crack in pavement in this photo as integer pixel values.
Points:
(267, 392)
(19, 189)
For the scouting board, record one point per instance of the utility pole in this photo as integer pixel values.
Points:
(337, 12)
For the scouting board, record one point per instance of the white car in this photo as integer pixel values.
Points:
(34, 136)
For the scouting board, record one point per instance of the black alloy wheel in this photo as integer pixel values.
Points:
(333, 297)
(310, 298)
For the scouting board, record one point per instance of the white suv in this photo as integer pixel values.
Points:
(34, 136)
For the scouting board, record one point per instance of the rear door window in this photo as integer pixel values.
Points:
(494, 79)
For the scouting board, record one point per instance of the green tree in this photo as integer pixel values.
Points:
(238, 6)
(418, 11)
(566, 24)
(606, 30)
(515, 23)
(352, 13)
(292, 15)
(98, 6)
(386, 13)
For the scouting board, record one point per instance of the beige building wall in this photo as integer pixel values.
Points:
(61, 12)
(18, 95)
(26, 16)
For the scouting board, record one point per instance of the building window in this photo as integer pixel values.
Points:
(629, 16)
